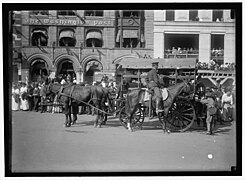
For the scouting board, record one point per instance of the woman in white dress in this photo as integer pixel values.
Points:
(23, 96)
(15, 98)
(227, 104)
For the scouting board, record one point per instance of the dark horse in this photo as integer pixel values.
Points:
(135, 99)
(74, 95)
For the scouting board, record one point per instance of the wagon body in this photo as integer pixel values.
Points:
(182, 113)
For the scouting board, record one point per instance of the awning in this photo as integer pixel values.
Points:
(67, 33)
(141, 63)
(41, 31)
(94, 34)
(130, 33)
(93, 63)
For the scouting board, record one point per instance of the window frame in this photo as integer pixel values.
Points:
(32, 28)
(87, 30)
(168, 14)
(60, 29)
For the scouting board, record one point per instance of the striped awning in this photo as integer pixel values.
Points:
(67, 33)
(94, 34)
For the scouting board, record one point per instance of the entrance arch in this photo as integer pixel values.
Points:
(67, 64)
(90, 68)
(39, 67)
(38, 70)
(64, 68)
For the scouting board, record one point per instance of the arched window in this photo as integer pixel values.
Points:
(39, 37)
(94, 38)
(67, 37)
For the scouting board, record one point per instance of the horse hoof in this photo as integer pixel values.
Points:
(98, 126)
(168, 131)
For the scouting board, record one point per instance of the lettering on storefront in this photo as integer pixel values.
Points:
(68, 22)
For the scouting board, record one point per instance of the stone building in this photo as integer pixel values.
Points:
(82, 42)
(202, 34)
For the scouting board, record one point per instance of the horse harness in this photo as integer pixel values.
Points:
(60, 92)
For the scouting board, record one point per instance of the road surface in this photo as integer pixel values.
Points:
(40, 143)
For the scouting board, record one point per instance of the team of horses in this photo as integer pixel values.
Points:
(97, 97)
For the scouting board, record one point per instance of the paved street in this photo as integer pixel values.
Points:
(42, 144)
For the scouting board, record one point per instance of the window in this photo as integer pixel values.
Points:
(94, 38)
(193, 15)
(217, 15)
(217, 48)
(39, 37)
(67, 37)
(169, 15)
(39, 12)
(66, 13)
(232, 15)
(131, 14)
(130, 38)
(181, 45)
(94, 13)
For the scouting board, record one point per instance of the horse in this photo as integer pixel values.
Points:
(74, 95)
(135, 99)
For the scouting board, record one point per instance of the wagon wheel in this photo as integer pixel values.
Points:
(181, 115)
(137, 120)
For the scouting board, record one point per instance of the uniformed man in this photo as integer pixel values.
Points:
(154, 85)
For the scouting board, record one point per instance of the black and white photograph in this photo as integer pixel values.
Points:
(122, 89)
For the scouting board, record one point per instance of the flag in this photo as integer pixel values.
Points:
(80, 17)
(20, 33)
(118, 36)
(138, 54)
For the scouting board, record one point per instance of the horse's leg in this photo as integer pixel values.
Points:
(69, 116)
(74, 112)
(66, 112)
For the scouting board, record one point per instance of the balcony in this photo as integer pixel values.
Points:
(181, 54)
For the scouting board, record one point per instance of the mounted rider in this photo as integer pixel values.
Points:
(154, 85)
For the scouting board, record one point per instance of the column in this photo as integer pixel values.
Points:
(158, 44)
(204, 47)
(229, 48)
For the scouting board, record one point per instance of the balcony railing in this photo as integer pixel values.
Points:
(181, 54)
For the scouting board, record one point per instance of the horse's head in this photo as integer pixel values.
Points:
(187, 87)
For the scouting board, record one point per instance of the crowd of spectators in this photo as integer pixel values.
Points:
(212, 65)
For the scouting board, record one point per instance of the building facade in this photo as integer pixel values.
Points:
(202, 34)
(82, 42)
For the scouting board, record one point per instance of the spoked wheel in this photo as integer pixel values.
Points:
(137, 120)
(181, 115)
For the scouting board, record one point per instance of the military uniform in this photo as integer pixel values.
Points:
(154, 84)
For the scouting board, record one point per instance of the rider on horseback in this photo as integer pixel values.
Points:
(154, 85)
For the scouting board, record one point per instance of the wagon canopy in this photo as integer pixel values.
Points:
(174, 63)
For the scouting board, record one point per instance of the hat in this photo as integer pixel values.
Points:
(155, 63)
